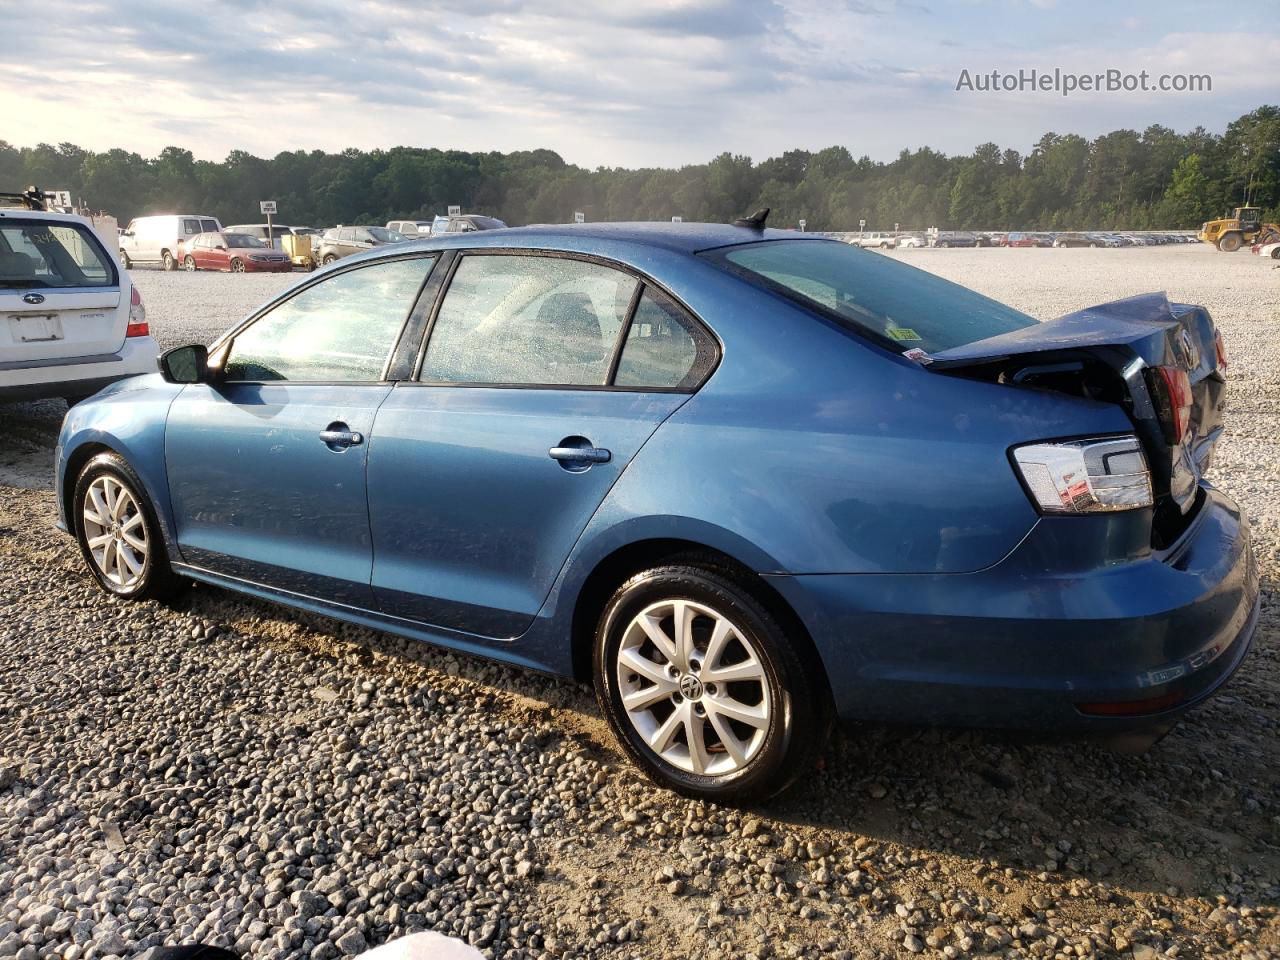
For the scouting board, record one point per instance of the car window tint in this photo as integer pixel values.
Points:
(664, 348)
(341, 329)
(523, 319)
(208, 226)
(191, 226)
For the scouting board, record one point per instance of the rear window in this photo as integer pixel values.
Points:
(896, 303)
(40, 254)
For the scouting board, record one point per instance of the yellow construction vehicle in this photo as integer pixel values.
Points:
(1231, 233)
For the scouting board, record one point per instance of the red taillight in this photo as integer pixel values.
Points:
(1176, 403)
(1132, 708)
(137, 317)
(1221, 349)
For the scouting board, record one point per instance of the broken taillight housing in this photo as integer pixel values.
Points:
(137, 317)
(1171, 391)
(1085, 476)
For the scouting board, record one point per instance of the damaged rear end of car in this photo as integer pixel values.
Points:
(1164, 364)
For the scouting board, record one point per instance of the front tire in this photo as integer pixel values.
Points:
(118, 533)
(1230, 242)
(237, 266)
(329, 259)
(703, 688)
(125, 261)
(189, 264)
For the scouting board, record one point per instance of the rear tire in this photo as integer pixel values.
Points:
(723, 710)
(118, 532)
(1230, 242)
(167, 262)
(329, 259)
(125, 261)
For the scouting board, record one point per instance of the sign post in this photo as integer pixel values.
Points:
(862, 226)
(579, 217)
(455, 210)
(269, 208)
(803, 224)
(677, 219)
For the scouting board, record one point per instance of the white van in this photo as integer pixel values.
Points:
(160, 239)
(71, 320)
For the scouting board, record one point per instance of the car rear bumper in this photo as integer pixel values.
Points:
(77, 376)
(1119, 647)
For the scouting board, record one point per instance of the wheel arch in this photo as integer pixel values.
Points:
(615, 568)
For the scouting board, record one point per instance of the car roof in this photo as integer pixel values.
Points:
(18, 213)
(676, 237)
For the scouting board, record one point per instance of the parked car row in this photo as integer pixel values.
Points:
(198, 242)
(967, 238)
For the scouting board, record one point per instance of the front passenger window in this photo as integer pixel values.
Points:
(341, 329)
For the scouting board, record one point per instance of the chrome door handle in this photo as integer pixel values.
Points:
(341, 438)
(581, 454)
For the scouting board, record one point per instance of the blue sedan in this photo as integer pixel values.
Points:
(743, 480)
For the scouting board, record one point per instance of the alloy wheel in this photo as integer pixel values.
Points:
(694, 687)
(115, 531)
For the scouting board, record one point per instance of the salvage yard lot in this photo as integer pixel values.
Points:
(236, 772)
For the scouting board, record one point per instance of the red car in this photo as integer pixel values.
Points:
(237, 252)
(1018, 240)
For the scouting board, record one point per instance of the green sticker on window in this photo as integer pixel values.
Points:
(904, 333)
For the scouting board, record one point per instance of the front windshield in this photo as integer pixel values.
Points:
(242, 240)
(875, 293)
(42, 254)
(383, 235)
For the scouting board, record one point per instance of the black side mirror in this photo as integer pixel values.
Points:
(188, 364)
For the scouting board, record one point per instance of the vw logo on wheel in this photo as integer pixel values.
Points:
(690, 687)
(33, 298)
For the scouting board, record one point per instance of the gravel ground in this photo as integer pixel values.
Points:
(230, 771)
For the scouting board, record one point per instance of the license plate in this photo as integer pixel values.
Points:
(36, 329)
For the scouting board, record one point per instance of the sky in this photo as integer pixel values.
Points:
(621, 84)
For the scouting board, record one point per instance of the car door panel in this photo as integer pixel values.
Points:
(258, 495)
(471, 517)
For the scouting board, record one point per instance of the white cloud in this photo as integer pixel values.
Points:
(655, 81)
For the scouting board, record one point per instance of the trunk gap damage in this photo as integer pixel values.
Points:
(1162, 363)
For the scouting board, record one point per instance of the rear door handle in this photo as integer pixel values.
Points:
(341, 438)
(581, 454)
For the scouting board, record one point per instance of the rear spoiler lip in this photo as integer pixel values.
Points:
(1120, 323)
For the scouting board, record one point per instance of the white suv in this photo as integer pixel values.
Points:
(884, 241)
(71, 320)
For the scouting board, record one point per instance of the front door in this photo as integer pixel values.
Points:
(485, 471)
(267, 466)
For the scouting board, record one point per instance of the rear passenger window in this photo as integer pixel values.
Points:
(341, 329)
(190, 227)
(528, 319)
(664, 348)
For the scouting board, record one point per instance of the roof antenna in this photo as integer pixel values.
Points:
(755, 221)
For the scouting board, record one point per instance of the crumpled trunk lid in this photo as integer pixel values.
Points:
(1112, 352)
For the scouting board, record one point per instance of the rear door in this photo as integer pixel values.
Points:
(486, 469)
(266, 468)
(60, 292)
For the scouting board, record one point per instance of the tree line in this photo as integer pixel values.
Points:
(1156, 179)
